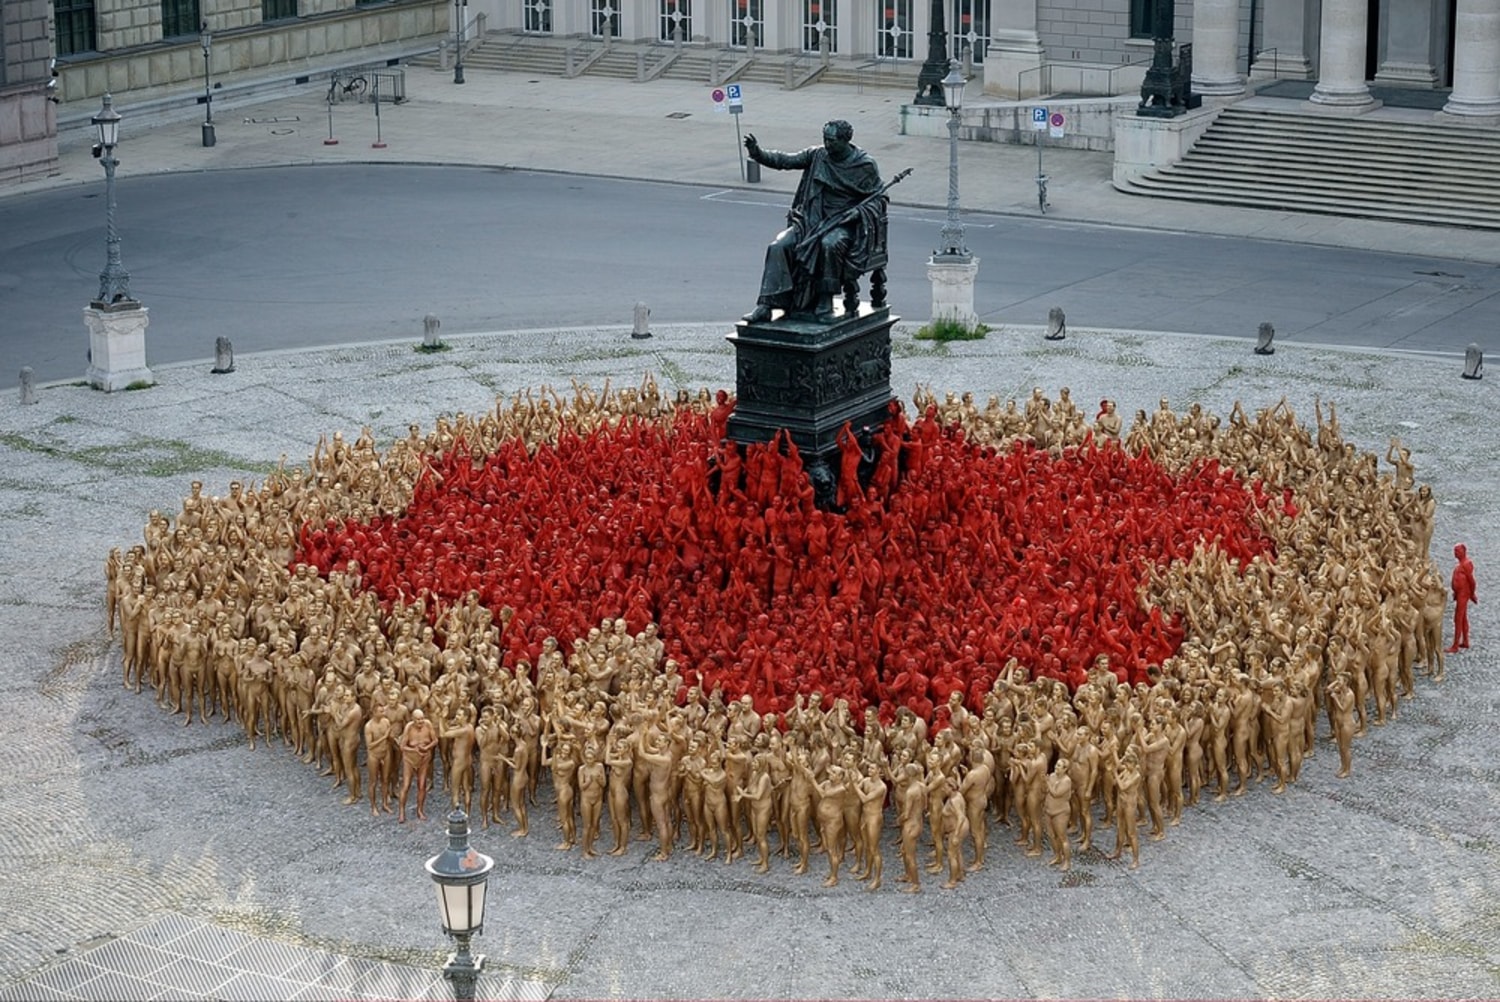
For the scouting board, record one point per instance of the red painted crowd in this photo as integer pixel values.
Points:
(956, 557)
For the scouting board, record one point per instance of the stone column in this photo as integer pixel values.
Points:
(1341, 59)
(1012, 63)
(1290, 31)
(1407, 60)
(1216, 44)
(1476, 60)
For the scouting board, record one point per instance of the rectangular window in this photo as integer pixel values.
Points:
(604, 19)
(747, 23)
(819, 18)
(971, 33)
(1142, 18)
(894, 39)
(179, 17)
(75, 26)
(676, 17)
(277, 10)
(538, 16)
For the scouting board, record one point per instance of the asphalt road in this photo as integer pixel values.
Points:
(302, 256)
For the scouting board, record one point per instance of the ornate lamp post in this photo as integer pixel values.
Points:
(206, 40)
(116, 322)
(114, 280)
(462, 876)
(930, 77)
(458, 58)
(953, 229)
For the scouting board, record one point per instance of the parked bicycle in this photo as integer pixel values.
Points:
(1041, 192)
(355, 87)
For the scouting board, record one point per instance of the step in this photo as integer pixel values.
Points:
(1332, 194)
(1322, 124)
(1294, 201)
(1455, 189)
(1479, 171)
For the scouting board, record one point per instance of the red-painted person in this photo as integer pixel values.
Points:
(1464, 592)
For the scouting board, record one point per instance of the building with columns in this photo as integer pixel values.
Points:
(148, 50)
(1342, 45)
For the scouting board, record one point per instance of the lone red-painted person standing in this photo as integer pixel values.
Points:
(1463, 594)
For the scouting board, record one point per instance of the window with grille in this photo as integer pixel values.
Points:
(676, 14)
(538, 16)
(894, 39)
(604, 18)
(971, 29)
(75, 26)
(747, 23)
(277, 10)
(179, 17)
(819, 17)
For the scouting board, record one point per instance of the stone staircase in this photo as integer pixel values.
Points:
(1405, 170)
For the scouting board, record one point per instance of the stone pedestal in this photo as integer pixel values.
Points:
(117, 347)
(952, 281)
(1145, 143)
(810, 378)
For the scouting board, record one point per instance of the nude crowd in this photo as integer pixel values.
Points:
(615, 734)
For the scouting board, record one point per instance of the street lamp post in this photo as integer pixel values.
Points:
(115, 321)
(114, 280)
(953, 229)
(952, 269)
(458, 58)
(206, 40)
(462, 875)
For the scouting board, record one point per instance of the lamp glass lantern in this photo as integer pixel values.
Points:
(953, 87)
(461, 875)
(107, 121)
(205, 39)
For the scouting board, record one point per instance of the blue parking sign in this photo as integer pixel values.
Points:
(1039, 119)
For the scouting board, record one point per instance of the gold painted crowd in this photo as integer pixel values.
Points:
(605, 728)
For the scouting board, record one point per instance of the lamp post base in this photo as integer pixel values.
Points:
(117, 348)
(462, 970)
(208, 133)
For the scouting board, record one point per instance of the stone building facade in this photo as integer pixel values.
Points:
(149, 49)
(28, 119)
(1026, 47)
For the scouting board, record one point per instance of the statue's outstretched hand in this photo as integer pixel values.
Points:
(752, 146)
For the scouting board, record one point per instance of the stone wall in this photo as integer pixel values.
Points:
(124, 24)
(1098, 31)
(28, 121)
(283, 48)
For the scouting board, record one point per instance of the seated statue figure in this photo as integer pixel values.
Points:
(836, 229)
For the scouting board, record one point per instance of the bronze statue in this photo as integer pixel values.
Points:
(836, 228)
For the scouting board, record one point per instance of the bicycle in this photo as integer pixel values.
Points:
(1041, 192)
(356, 86)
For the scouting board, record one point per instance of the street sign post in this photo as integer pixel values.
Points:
(1039, 119)
(731, 98)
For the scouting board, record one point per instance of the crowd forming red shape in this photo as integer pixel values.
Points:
(956, 558)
